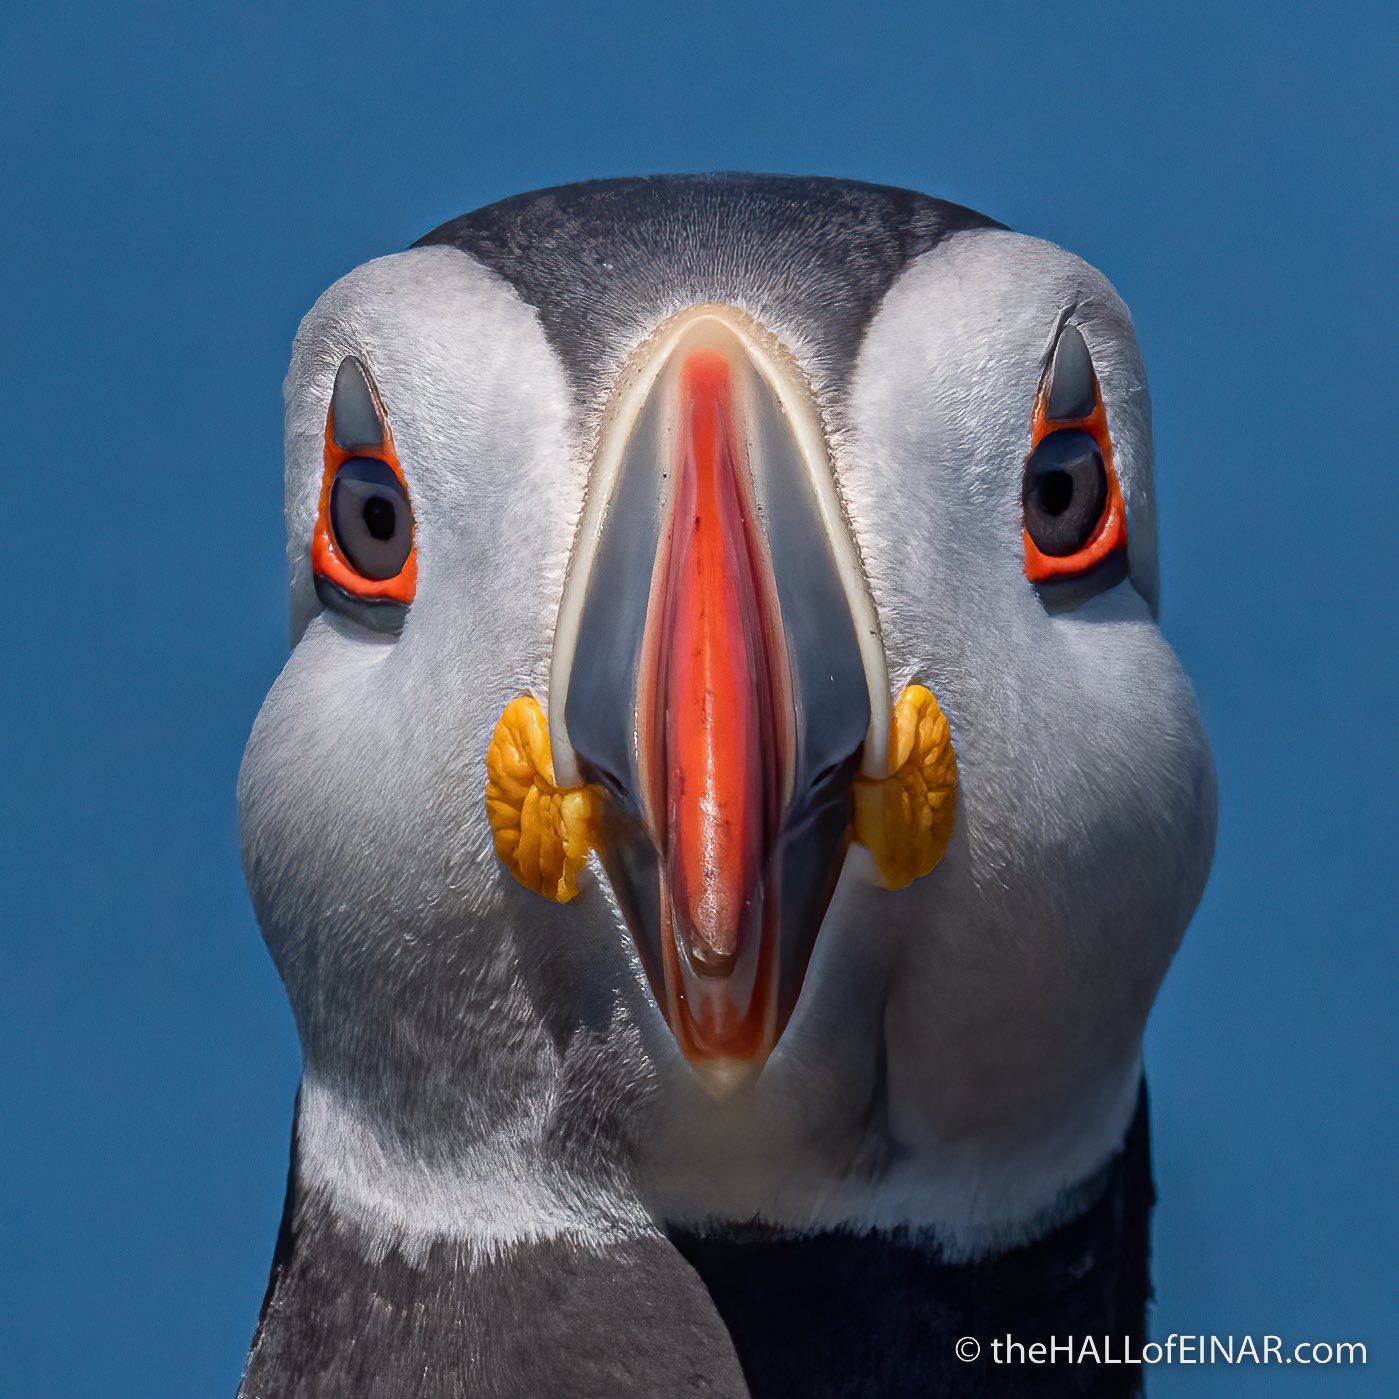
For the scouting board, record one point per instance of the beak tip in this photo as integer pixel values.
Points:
(724, 1078)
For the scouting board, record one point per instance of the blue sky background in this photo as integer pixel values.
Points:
(180, 181)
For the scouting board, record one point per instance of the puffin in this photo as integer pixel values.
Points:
(728, 809)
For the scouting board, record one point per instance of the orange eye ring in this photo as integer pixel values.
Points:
(1110, 535)
(328, 559)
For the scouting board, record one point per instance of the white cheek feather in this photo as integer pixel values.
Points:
(483, 429)
(488, 1197)
(362, 798)
(1086, 810)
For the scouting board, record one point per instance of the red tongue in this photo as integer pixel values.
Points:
(715, 683)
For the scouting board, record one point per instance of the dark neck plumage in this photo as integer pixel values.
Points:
(878, 1316)
(837, 1315)
(550, 1319)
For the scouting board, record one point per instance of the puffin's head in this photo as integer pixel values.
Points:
(710, 471)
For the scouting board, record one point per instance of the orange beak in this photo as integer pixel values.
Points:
(718, 696)
(714, 730)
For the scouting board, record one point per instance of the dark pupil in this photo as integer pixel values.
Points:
(371, 517)
(1056, 491)
(380, 518)
(1065, 492)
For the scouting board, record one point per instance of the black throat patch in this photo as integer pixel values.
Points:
(878, 1316)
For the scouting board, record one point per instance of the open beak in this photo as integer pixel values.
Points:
(718, 674)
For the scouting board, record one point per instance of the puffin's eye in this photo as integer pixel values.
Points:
(363, 556)
(371, 518)
(1065, 493)
(1074, 518)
